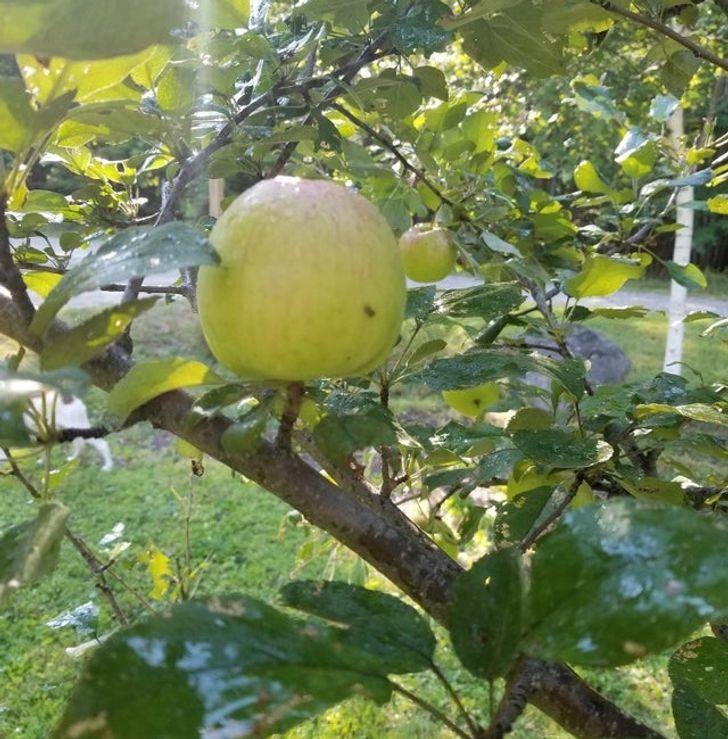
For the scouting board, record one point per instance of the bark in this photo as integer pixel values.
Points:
(376, 531)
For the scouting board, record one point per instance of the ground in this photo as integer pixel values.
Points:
(252, 545)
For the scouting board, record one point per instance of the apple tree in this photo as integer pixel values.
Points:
(491, 128)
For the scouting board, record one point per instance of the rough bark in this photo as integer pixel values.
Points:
(382, 535)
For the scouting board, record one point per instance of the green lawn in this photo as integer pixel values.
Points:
(250, 548)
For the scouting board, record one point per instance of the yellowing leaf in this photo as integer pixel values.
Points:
(603, 276)
(151, 378)
(160, 570)
(587, 179)
(41, 283)
(719, 204)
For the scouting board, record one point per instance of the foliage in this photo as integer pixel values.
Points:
(493, 121)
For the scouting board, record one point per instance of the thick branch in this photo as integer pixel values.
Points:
(399, 550)
(643, 20)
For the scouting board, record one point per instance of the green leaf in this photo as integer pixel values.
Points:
(246, 435)
(692, 411)
(663, 106)
(495, 243)
(477, 367)
(515, 36)
(696, 718)
(93, 336)
(350, 14)
(688, 275)
(718, 204)
(231, 667)
(678, 70)
(425, 350)
(378, 623)
(636, 154)
(557, 448)
(605, 566)
(76, 29)
(518, 516)
(703, 664)
(30, 549)
(152, 377)
(84, 81)
(602, 275)
(587, 179)
(420, 302)
(339, 435)
(134, 252)
(16, 114)
(486, 614)
(419, 29)
(212, 14)
(432, 82)
(489, 301)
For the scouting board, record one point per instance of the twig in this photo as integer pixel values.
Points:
(69, 434)
(389, 144)
(19, 474)
(643, 20)
(294, 397)
(472, 725)
(97, 567)
(519, 686)
(9, 273)
(536, 532)
(439, 715)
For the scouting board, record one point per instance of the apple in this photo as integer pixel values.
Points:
(428, 254)
(472, 401)
(310, 283)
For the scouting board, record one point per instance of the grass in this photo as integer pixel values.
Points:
(717, 285)
(251, 548)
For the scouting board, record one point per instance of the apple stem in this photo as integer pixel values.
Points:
(294, 397)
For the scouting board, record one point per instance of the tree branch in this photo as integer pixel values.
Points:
(394, 546)
(9, 273)
(643, 20)
(388, 144)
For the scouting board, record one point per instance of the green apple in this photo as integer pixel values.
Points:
(472, 401)
(310, 283)
(428, 254)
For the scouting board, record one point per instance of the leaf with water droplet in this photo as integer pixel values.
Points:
(134, 252)
(614, 582)
(232, 666)
(379, 623)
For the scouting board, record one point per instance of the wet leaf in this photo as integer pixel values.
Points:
(517, 516)
(93, 336)
(338, 435)
(486, 614)
(614, 582)
(378, 623)
(231, 667)
(134, 252)
(30, 549)
(557, 448)
(703, 665)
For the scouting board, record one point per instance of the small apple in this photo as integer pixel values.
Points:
(472, 401)
(310, 283)
(428, 254)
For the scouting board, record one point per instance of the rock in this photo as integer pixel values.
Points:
(609, 363)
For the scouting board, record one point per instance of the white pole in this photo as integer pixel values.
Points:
(681, 255)
(215, 194)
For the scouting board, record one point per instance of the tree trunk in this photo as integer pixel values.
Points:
(216, 192)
